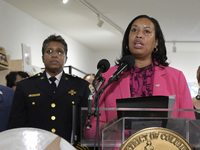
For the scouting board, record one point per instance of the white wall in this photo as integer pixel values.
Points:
(111, 56)
(17, 27)
(188, 62)
(186, 58)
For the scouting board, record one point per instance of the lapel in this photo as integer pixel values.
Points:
(159, 80)
(124, 85)
(43, 84)
(63, 86)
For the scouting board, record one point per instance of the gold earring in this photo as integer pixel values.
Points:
(155, 50)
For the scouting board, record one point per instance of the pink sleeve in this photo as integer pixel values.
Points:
(184, 99)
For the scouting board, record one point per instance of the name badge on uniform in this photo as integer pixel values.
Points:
(34, 95)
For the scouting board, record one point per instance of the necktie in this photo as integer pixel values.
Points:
(53, 84)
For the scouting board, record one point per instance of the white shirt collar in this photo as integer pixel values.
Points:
(58, 77)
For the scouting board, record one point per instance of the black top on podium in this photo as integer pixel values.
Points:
(143, 102)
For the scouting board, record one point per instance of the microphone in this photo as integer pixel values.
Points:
(102, 66)
(126, 64)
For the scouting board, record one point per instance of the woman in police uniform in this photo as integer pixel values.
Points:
(37, 104)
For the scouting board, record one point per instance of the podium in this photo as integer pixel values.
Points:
(116, 134)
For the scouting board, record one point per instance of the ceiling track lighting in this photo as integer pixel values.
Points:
(102, 16)
(100, 22)
(174, 47)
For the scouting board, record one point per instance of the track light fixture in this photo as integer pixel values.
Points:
(100, 22)
(174, 47)
(107, 20)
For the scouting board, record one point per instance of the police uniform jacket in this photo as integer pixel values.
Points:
(35, 104)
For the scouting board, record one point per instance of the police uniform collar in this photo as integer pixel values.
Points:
(58, 76)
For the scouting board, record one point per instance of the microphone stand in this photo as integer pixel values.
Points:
(96, 113)
(90, 98)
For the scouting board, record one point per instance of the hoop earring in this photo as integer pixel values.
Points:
(155, 50)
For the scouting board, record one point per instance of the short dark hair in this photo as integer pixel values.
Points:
(55, 38)
(11, 77)
(160, 56)
(23, 74)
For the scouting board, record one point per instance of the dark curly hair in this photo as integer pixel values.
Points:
(157, 58)
(11, 77)
(55, 39)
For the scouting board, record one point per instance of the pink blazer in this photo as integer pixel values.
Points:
(167, 82)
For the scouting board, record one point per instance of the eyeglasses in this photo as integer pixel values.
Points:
(58, 51)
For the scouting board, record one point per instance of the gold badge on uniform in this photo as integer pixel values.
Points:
(156, 138)
(72, 92)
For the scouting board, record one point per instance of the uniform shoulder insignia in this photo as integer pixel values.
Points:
(35, 76)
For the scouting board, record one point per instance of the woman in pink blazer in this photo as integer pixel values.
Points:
(150, 76)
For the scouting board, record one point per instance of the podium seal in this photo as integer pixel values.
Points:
(156, 138)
